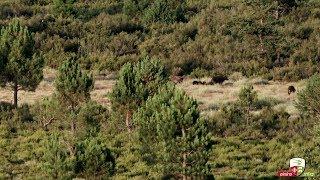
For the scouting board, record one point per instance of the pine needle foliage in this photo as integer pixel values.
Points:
(73, 85)
(172, 133)
(135, 84)
(309, 98)
(20, 65)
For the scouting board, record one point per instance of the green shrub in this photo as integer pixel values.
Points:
(33, 2)
(199, 73)
(56, 159)
(6, 115)
(64, 6)
(93, 116)
(5, 106)
(309, 98)
(112, 25)
(24, 113)
(5, 11)
(49, 114)
(164, 11)
(265, 103)
(124, 44)
(37, 23)
(296, 72)
(9, 10)
(94, 159)
(232, 114)
(55, 54)
(15, 119)
(304, 32)
(173, 135)
(131, 7)
(135, 85)
(269, 121)
(247, 96)
(228, 120)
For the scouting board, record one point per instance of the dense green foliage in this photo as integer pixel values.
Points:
(175, 139)
(135, 85)
(276, 39)
(255, 145)
(20, 66)
(73, 87)
(94, 158)
(247, 96)
(309, 98)
(56, 161)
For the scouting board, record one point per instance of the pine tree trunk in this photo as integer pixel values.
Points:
(15, 94)
(248, 116)
(73, 123)
(73, 126)
(128, 120)
(278, 56)
(184, 156)
(261, 40)
(277, 13)
(261, 44)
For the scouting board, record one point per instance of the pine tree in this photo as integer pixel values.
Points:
(309, 98)
(172, 132)
(73, 87)
(135, 84)
(20, 66)
(247, 96)
(246, 99)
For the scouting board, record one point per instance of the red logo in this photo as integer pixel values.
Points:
(292, 172)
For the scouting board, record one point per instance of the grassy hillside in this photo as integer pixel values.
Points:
(274, 39)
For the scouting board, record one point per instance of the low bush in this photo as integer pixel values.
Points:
(261, 103)
(24, 113)
(236, 76)
(309, 98)
(247, 96)
(34, 2)
(269, 121)
(49, 114)
(94, 159)
(93, 116)
(165, 11)
(56, 161)
(199, 73)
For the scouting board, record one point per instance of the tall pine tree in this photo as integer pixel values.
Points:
(173, 134)
(73, 87)
(135, 84)
(21, 67)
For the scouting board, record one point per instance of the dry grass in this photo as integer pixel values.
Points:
(209, 96)
(46, 89)
(213, 96)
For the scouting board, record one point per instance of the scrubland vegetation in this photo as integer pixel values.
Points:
(86, 88)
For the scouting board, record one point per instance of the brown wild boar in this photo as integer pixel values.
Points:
(291, 89)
